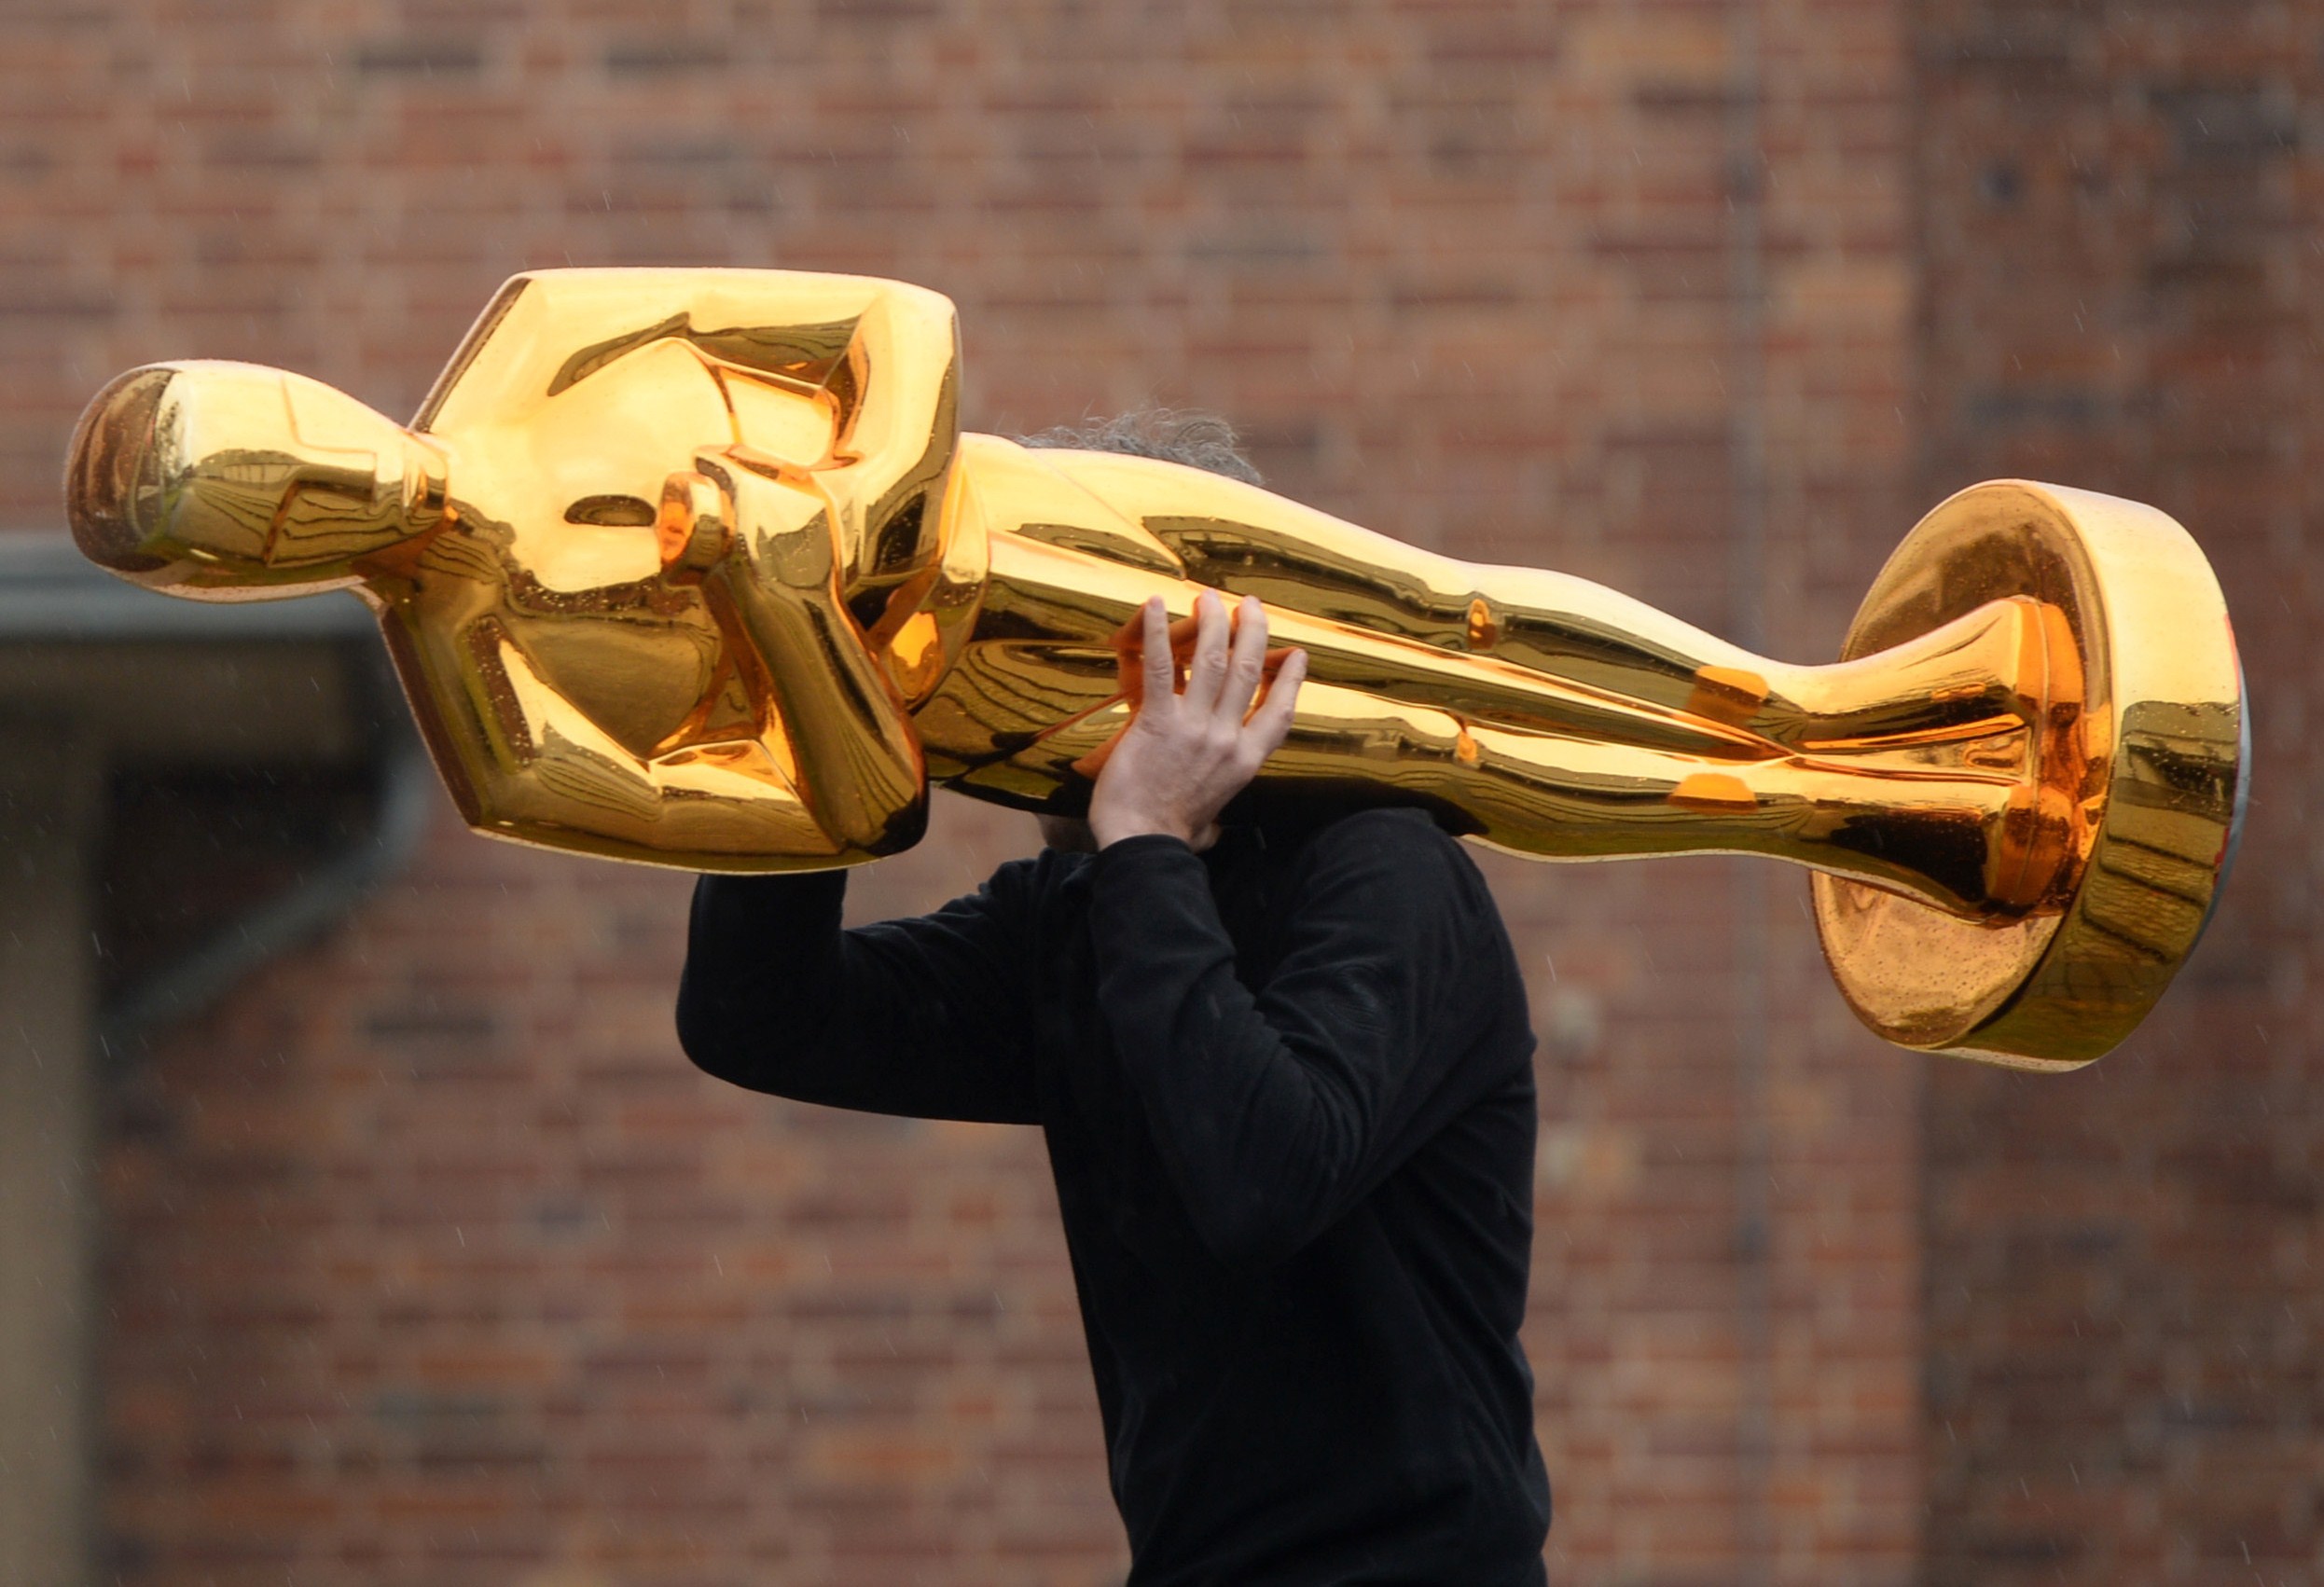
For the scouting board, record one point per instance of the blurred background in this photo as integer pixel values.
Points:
(361, 1221)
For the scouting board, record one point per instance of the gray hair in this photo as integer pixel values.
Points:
(1172, 435)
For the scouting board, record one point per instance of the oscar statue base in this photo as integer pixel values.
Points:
(2146, 779)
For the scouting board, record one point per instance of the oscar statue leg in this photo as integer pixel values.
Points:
(1619, 652)
(2019, 787)
(1526, 762)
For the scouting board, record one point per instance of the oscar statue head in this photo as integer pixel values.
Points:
(237, 482)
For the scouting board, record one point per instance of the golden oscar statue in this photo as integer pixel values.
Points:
(694, 567)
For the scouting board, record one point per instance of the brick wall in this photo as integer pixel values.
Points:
(2123, 290)
(429, 1257)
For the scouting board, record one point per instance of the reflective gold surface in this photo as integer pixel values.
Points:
(695, 568)
(2140, 787)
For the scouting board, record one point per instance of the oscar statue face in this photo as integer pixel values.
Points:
(695, 567)
(229, 482)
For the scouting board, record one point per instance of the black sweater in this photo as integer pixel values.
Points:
(1289, 1101)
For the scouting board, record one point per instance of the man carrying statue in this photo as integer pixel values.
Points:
(1284, 1069)
(695, 568)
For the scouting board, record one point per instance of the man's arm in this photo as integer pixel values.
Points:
(918, 1017)
(1276, 1113)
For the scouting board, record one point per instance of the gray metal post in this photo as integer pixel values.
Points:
(50, 796)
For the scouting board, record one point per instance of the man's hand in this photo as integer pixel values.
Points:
(1185, 756)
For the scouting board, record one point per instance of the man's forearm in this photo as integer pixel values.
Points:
(1277, 1106)
(1263, 1141)
(919, 1018)
(761, 983)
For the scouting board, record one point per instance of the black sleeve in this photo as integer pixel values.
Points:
(919, 1018)
(1275, 1113)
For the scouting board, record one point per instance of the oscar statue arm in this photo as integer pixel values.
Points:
(762, 546)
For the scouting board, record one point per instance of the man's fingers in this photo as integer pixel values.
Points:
(1246, 661)
(1270, 724)
(1207, 676)
(1158, 669)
